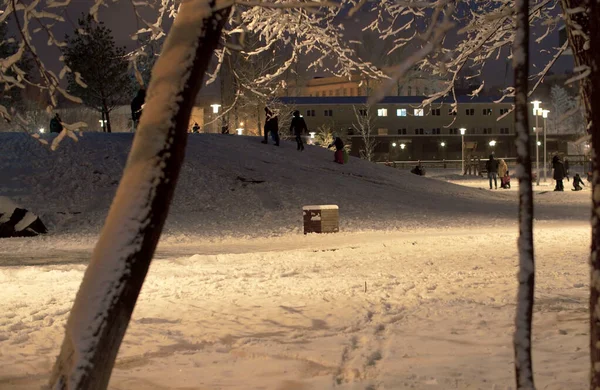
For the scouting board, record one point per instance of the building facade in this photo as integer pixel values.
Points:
(415, 85)
(404, 130)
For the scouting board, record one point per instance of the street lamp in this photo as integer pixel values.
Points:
(215, 111)
(545, 116)
(492, 143)
(215, 108)
(42, 130)
(402, 146)
(239, 130)
(393, 144)
(442, 144)
(537, 111)
(462, 139)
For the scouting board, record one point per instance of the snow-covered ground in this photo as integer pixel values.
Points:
(416, 292)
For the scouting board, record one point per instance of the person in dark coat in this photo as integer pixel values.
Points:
(56, 124)
(559, 173)
(338, 156)
(196, 128)
(271, 126)
(298, 127)
(576, 182)
(491, 166)
(136, 107)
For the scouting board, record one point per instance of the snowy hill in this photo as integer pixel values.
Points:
(236, 185)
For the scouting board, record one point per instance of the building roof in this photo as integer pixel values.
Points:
(301, 100)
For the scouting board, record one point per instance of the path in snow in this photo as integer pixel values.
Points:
(437, 314)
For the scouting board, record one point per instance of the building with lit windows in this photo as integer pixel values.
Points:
(426, 133)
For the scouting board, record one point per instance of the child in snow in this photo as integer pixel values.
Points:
(338, 156)
(576, 182)
(505, 180)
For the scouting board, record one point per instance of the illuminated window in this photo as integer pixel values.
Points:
(382, 112)
(401, 112)
(418, 112)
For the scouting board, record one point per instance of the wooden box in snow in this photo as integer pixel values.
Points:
(321, 219)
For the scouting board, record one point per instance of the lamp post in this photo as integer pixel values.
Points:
(215, 110)
(545, 116)
(536, 113)
(462, 142)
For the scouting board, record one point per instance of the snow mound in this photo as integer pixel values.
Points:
(234, 185)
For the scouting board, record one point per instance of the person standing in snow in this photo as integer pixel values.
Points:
(136, 107)
(196, 128)
(559, 173)
(271, 126)
(298, 127)
(56, 124)
(338, 156)
(491, 166)
(502, 169)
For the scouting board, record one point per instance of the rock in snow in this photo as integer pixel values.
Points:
(16, 221)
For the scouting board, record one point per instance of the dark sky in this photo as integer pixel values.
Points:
(120, 18)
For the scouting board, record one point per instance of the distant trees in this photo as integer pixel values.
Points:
(365, 127)
(566, 115)
(99, 69)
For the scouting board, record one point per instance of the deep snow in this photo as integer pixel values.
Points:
(416, 292)
(71, 188)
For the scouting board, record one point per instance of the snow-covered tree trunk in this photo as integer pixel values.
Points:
(526, 275)
(593, 116)
(112, 281)
(583, 39)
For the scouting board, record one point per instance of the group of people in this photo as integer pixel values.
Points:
(561, 172)
(497, 168)
(298, 128)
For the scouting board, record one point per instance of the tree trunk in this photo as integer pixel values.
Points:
(578, 28)
(526, 276)
(258, 121)
(107, 114)
(120, 261)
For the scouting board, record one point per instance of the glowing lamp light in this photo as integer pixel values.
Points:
(239, 130)
(545, 113)
(42, 130)
(215, 108)
(442, 144)
(536, 106)
(463, 131)
(539, 143)
(393, 144)
(312, 134)
(402, 146)
(492, 143)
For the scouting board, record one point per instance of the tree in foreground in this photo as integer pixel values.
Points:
(98, 68)
(526, 275)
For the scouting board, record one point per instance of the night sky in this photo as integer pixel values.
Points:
(120, 18)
